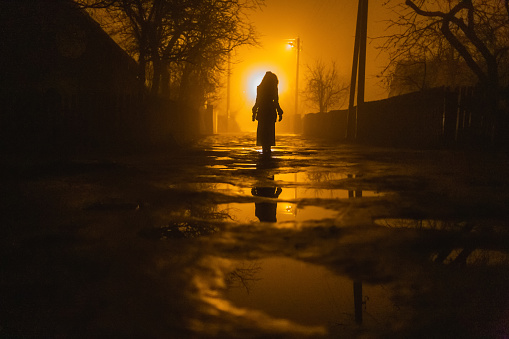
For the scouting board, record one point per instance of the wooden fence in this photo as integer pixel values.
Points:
(439, 117)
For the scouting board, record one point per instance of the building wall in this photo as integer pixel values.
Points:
(65, 83)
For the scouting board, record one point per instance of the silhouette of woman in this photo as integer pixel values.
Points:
(266, 110)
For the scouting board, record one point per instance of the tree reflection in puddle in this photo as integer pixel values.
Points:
(298, 296)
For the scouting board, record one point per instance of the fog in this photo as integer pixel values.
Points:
(326, 29)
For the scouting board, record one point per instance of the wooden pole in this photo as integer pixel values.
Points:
(297, 79)
(228, 91)
(357, 300)
(362, 53)
(358, 69)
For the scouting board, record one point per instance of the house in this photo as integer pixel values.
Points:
(65, 84)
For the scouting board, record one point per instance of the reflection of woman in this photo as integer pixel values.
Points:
(266, 211)
(266, 110)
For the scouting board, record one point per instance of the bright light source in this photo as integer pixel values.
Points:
(255, 77)
(254, 80)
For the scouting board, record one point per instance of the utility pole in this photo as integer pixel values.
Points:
(295, 43)
(297, 79)
(228, 75)
(358, 70)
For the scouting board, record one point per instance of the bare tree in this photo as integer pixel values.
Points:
(324, 87)
(478, 31)
(221, 27)
(445, 69)
(162, 34)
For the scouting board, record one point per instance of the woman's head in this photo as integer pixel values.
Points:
(269, 79)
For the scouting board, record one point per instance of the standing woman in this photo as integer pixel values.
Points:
(266, 110)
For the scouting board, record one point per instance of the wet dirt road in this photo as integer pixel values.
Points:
(316, 240)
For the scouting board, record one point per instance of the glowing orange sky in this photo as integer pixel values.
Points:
(326, 29)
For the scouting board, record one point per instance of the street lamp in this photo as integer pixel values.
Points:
(228, 88)
(295, 43)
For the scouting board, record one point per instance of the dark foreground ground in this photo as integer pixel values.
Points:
(318, 240)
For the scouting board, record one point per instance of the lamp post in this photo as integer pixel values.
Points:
(229, 72)
(296, 44)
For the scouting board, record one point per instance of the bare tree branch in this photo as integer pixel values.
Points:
(324, 87)
(476, 30)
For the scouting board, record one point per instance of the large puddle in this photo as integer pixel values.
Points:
(302, 295)
(282, 213)
(274, 203)
(287, 193)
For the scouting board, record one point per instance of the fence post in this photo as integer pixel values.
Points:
(450, 116)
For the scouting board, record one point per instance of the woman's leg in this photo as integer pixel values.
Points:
(265, 135)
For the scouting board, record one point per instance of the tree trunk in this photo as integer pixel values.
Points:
(142, 64)
(156, 80)
(165, 81)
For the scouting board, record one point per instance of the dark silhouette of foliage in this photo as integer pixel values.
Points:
(178, 40)
(477, 31)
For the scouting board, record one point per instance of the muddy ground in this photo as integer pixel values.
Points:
(218, 240)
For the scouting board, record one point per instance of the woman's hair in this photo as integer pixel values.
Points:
(269, 79)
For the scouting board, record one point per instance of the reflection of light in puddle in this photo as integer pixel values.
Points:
(314, 193)
(288, 193)
(285, 207)
(285, 212)
(223, 188)
(219, 158)
(245, 164)
(321, 193)
(304, 177)
(305, 294)
(291, 212)
(222, 167)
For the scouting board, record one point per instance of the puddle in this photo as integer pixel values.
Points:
(305, 177)
(223, 188)
(221, 167)
(274, 212)
(320, 193)
(219, 158)
(288, 193)
(247, 165)
(281, 205)
(306, 295)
